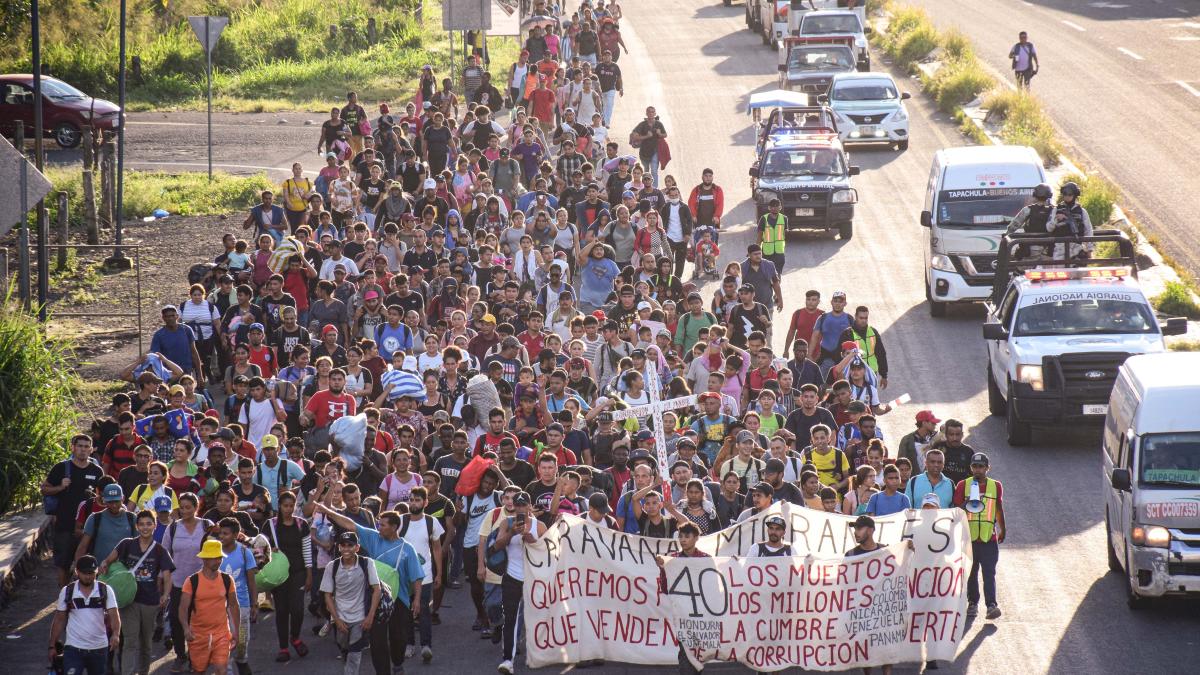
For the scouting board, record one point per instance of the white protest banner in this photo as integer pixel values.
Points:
(773, 613)
(593, 593)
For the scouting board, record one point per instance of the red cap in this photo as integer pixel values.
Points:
(927, 416)
(848, 345)
(329, 329)
(707, 395)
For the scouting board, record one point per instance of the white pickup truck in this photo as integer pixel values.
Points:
(825, 23)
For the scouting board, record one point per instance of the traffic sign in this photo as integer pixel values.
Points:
(12, 207)
(466, 15)
(208, 30)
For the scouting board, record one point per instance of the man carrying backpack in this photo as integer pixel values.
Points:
(103, 530)
(1024, 60)
(87, 610)
(151, 567)
(209, 605)
(424, 533)
(352, 595)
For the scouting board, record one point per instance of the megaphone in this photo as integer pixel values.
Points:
(974, 504)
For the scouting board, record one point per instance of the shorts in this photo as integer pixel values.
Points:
(209, 650)
(64, 544)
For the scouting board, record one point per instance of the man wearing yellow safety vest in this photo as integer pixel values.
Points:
(870, 344)
(987, 532)
(772, 231)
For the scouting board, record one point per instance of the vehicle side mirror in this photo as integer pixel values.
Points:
(905, 96)
(754, 172)
(926, 219)
(854, 171)
(1121, 480)
(822, 98)
(994, 331)
(1176, 325)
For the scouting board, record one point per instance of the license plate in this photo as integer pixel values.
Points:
(1100, 409)
(804, 212)
(867, 130)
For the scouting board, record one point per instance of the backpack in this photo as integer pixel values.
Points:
(102, 597)
(497, 561)
(280, 475)
(50, 502)
(194, 583)
(195, 325)
(838, 456)
(129, 516)
(428, 527)
(387, 604)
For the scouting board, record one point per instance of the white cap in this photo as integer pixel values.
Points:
(429, 184)
(643, 305)
(931, 499)
(410, 364)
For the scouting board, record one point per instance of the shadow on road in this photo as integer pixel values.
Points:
(1123, 10)
(719, 11)
(737, 64)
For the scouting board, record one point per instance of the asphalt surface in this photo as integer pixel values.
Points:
(1063, 611)
(1121, 79)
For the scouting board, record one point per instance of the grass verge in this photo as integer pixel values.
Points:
(1176, 300)
(1184, 345)
(274, 55)
(37, 415)
(185, 194)
(1024, 122)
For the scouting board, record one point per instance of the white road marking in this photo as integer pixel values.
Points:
(1130, 54)
(1189, 88)
(1185, 24)
(1074, 25)
(1186, 38)
(1107, 5)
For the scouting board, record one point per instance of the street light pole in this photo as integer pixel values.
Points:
(118, 258)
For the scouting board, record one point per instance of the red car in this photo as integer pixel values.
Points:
(66, 111)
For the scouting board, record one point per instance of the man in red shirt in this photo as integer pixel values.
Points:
(541, 104)
(533, 338)
(486, 339)
(554, 446)
(803, 320)
(490, 440)
(324, 407)
(260, 354)
(118, 454)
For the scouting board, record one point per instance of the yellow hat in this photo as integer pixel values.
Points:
(211, 549)
(269, 441)
(176, 389)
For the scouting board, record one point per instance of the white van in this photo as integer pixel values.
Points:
(1152, 475)
(972, 194)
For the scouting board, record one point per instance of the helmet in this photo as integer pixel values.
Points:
(1042, 191)
(1069, 189)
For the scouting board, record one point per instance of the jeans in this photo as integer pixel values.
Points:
(388, 640)
(986, 554)
(588, 58)
(512, 592)
(456, 557)
(180, 645)
(424, 622)
(137, 628)
(651, 165)
(493, 604)
(289, 609)
(471, 566)
(78, 661)
(353, 644)
(610, 101)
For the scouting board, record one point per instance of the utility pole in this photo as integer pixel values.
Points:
(118, 259)
(43, 225)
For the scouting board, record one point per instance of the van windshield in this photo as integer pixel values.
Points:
(1065, 314)
(1171, 460)
(985, 209)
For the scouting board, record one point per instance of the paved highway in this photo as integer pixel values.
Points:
(1063, 612)
(1121, 79)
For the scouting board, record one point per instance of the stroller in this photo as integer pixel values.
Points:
(705, 253)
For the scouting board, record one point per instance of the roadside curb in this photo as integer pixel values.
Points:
(26, 538)
(1153, 278)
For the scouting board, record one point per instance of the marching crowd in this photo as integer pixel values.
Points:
(416, 362)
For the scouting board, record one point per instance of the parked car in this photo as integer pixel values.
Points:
(66, 111)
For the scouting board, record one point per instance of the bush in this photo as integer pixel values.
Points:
(956, 46)
(1024, 123)
(910, 36)
(1184, 345)
(37, 413)
(959, 82)
(1176, 300)
(1098, 199)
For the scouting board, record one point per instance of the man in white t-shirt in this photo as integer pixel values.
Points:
(424, 533)
(82, 608)
(260, 412)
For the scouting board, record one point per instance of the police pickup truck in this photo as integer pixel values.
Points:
(1058, 330)
(810, 175)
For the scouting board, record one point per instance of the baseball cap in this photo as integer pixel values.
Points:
(521, 499)
(225, 434)
(864, 521)
(162, 504)
(763, 488)
(329, 329)
(176, 389)
(488, 318)
(599, 502)
(746, 288)
(577, 363)
(645, 435)
(745, 435)
(931, 499)
(370, 295)
(643, 305)
(848, 345)
(269, 441)
(685, 441)
(256, 327)
(641, 455)
(980, 459)
(604, 417)
(839, 294)
(708, 395)
(112, 493)
(927, 416)
(86, 564)
(775, 520)
(773, 465)
(350, 538)
(429, 184)
(331, 155)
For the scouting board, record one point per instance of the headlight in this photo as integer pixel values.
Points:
(845, 197)
(1152, 536)
(900, 115)
(941, 262)
(1031, 375)
(765, 196)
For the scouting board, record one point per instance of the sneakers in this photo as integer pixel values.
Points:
(324, 629)
(283, 656)
(426, 654)
(993, 612)
(505, 667)
(300, 647)
(409, 651)
(972, 610)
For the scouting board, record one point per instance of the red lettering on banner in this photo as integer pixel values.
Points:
(630, 629)
(555, 632)
(932, 626)
(935, 582)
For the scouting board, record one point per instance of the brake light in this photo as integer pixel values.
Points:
(1086, 273)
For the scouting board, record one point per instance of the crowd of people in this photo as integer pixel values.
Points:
(483, 296)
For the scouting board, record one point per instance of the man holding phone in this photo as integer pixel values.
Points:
(514, 533)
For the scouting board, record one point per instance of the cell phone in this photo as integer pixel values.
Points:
(519, 521)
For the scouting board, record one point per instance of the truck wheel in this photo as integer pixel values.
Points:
(995, 399)
(901, 146)
(1019, 433)
(766, 36)
(846, 230)
(936, 309)
(67, 135)
(1114, 563)
(1135, 601)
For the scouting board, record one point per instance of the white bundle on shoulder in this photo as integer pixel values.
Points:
(483, 395)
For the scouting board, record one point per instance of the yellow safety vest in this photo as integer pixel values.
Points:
(982, 524)
(773, 235)
(866, 345)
